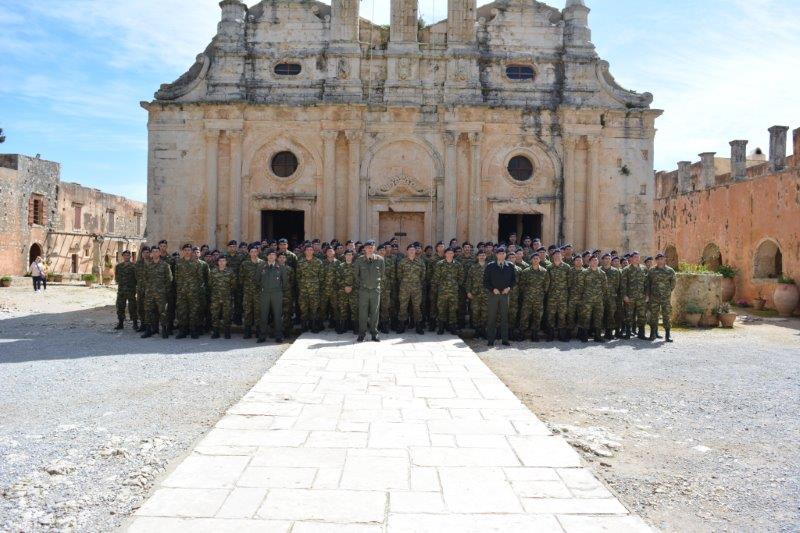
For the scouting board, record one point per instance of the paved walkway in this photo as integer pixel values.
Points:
(408, 435)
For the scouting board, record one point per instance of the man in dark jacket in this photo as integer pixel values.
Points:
(498, 279)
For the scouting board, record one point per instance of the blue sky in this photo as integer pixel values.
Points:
(72, 73)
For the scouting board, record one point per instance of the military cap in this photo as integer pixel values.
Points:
(606, 255)
(369, 243)
(648, 258)
(348, 251)
(440, 243)
(222, 258)
(283, 241)
(660, 255)
(253, 246)
(568, 245)
(597, 251)
(195, 248)
(315, 241)
(271, 251)
(162, 241)
(349, 242)
(557, 251)
(242, 244)
(410, 246)
(552, 247)
(449, 249)
(126, 252)
(307, 245)
(145, 248)
(232, 243)
(395, 245)
(633, 253)
(381, 247)
(501, 249)
(613, 252)
(281, 254)
(541, 249)
(514, 233)
(185, 246)
(457, 249)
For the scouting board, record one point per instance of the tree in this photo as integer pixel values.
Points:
(2, 137)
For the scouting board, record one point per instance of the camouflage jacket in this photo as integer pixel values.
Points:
(614, 277)
(559, 279)
(221, 283)
(592, 285)
(188, 275)
(535, 281)
(309, 273)
(660, 283)
(475, 279)
(158, 277)
(141, 278)
(330, 273)
(448, 276)
(250, 274)
(572, 281)
(411, 273)
(347, 276)
(125, 274)
(234, 262)
(634, 279)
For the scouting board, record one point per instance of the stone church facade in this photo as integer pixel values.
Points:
(303, 120)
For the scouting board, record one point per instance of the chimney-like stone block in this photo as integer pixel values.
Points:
(344, 21)
(403, 27)
(738, 160)
(796, 144)
(777, 148)
(576, 24)
(232, 23)
(461, 16)
(684, 177)
(708, 171)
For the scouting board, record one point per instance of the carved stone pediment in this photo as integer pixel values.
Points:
(399, 185)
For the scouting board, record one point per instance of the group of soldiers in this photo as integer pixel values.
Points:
(558, 294)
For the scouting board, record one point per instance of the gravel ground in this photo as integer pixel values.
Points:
(89, 417)
(700, 435)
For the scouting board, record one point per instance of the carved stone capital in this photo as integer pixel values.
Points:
(212, 135)
(354, 135)
(475, 138)
(329, 135)
(451, 137)
(235, 135)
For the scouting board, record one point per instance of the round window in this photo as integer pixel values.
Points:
(284, 164)
(520, 168)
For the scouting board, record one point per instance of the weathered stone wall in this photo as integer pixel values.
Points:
(746, 219)
(704, 290)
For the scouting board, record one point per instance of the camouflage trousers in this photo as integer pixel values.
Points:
(433, 303)
(409, 295)
(662, 307)
(127, 297)
(328, 306)
(636, 312)
(573, 313)
(251, 309)
(188, 310)
(386, 306)
(348, 305)
(155, 306)
(308, 302)
(478, 307)
(513, 309)
(447, 307)
(557, 311)
(531, 314)
(591, 315)
(171, 306)
(221, 312)
(610, 317)
(237, 304)
(140, 311)
(288, 305)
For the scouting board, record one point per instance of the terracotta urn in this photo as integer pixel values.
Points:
(692, 319)
(758, 304)
(727, 319)
(785, 297)
(728, 289)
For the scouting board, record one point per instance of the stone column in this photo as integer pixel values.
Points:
(738, 160)
(212, 186)
(354, 184)
(777, 148)
(708, 172)
(403, 24)
(684, 176)
(592, 194)
(460, 21)
(476, 213)
(450, 184)
(236, 137)
(796, 145)
(569, 188)
(329, 184)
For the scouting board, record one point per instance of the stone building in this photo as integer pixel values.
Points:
(76, 230)
(302, 119)
(738, 211)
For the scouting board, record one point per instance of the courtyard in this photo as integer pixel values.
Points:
(97, 424)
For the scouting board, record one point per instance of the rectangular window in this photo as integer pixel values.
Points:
(110, 224)
(76, 222)
(37, 209)
(74, 263)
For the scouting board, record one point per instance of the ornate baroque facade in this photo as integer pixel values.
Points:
(304, 119)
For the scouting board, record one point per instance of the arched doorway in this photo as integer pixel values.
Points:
(672, 256)
(36, 251)
(712, 257)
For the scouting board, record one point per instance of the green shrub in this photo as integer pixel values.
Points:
(91, 278)
(5, 278)
(692, 308)
(785, 280)
(692, 268)
(727, 271)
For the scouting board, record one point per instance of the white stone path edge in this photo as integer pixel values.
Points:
(412, 434)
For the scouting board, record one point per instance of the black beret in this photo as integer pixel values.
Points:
(450, 250)
(648, 258)
(633, 253)
(253, 246)
(195, 248)
(659, 256)
(606, 255)
(232, 243)
(185, 246)
(369, 243)
(481, 251)
(541, 249)
(348, 252)
(145, 248)
(242, 244)
(307, 246)
(501, 249)
(440, 243)
(162, 241)
(552, 247)
(283, 241)
(271, 251)
(410, 246)
(567, 246)
(126, 252)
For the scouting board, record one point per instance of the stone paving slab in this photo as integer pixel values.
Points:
(412, 434)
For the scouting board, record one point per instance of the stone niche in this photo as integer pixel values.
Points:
(703, 289)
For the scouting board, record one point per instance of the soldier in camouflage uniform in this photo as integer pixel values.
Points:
(222, 285)
(309, 280)
(387, 289)
(476, 293)
(592, 290)
(659, 286)
(188, 279)
(619, 324)
(158, 282)
(557, 298)
(574, 301)
(411, 280)
(448, 278)
(288, 294)
(249, 277)
(234, 258)
(431, 292)
(614, 284)
(329, 308)
(347, 297)
(125, 274)
(141, 265)
(535, 281)
(634, 278)
(172, 296)
(514, 299)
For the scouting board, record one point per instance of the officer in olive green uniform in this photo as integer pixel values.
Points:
(370, 269)
(634, 278)
(659, 287)
(288, 294)
(250, 277)
(347, 296)
(188, 280)
(535, 281)
(273, 282)
(411, 279)
(592, 289)
(125, 274)
(222, 284)
(329, 309)
(159, 284)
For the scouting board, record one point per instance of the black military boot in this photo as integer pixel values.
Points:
(119, 324)
(667, 337)
(420, 328)
(619, 334)
(228, 332)
(164, 332)
(535, 335)
(375, 338)
(582, 335)
(563, 335)
(215, 333)
(627, 334)
(653, 333)
(248, 333)
(195, 332)
(384, 328)
(432, 326)
(340, 328)
(640, 334)
(136, 326)
(598, 335)
(181, 333)
(440, 330)
(551, 334)
(147, 332)
(360, 337)
(609, 334)
(401, 328)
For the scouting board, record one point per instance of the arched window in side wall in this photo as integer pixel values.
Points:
(672, 256)
(288, 69)
(520, 72)
(712, 257)
(768, 260)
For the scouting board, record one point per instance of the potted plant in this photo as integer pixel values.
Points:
(53, 277)
(726, 316)
(5, 281)
(757, 303)
(89, 279)
(785, 296)
(692, 313)
(728, 285)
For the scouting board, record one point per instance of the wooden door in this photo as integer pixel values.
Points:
(407, 227)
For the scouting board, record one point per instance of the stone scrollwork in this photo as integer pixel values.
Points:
(398, 184)
(404, 68)
(186, 83)
(343, 69)
(620, 94)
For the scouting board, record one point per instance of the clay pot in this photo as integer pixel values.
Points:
(5, 283)
(89, 284)
(758, 304)
(692, 320)
(727, 319)
(785, 297)
(728, 289)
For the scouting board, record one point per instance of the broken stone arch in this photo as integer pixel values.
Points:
(671, 252)
(712, 257)
(767, 260)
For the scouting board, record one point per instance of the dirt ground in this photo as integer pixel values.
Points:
(699, 435)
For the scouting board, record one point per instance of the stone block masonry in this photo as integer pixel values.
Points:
(412, 434)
